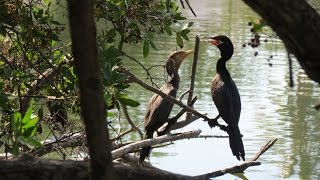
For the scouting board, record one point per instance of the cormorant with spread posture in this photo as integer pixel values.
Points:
(158, 109)
(226, 97)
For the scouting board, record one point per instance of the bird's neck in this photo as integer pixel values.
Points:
(221, 67)
(175, 80)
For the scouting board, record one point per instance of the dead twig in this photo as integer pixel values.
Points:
(239, 168)
(264, 149)
(193, 72)
(133, 126)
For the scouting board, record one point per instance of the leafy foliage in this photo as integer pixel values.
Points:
(23, 130)
(35, 62)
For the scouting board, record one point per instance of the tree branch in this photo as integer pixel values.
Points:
(297, 24)
(133, 78)
(149, 142)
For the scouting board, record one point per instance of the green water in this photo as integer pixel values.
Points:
(270, 108)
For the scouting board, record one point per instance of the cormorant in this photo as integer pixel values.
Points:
(158, 108)
(225, 95)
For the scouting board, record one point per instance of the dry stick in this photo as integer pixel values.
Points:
(228, 170)
(183, 94)
(264, 148)
(120, 135)
(193, 72)
(133, 126)
(149, 142)
(239, 168)
(173, 121)
(187, 1)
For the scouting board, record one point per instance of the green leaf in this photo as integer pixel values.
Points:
(145, 48)
(168, 30)
(184, 34)
(111, 33)
(186, 26)
(40, 113)
(153, 45)
(28, 114)
(129, 102)
(113, 52)
(31, 123)
(179, 40)
(16, 122)
(109, 101)
(30, 142)
(3, 101)
(29, 132)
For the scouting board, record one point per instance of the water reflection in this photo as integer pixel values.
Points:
(270, 108)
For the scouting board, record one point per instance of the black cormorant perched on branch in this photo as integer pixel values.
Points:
(226, 97)
(158, 109)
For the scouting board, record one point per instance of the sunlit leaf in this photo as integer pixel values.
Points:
(16, 122)
(186, 26)
(30, 142)
(184, 34)
(31, 123)
(27, 115)
(179, 40)
(29, 132)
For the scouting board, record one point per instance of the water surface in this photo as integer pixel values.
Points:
(270, 108)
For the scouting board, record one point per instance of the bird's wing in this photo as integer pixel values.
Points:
(227, 100)
(158, 109)
(236, 102)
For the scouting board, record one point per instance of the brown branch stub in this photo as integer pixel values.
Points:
(234, 169)
(264, 149)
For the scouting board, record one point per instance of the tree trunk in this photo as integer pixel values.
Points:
(298, 25)
(28, 168)
(84, 48)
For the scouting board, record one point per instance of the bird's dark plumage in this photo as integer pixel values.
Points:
(225, 95)
(158, 108)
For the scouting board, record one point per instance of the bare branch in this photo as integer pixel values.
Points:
(133, 78)
(149, 142)
(264, 149)
(193, 71)
(233, 169)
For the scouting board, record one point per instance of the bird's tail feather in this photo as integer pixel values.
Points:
(145, 151)
(235, 142)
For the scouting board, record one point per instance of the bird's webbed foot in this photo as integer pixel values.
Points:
(213, 122)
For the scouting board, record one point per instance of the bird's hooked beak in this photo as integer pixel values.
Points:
(186, 53)
(214, 41)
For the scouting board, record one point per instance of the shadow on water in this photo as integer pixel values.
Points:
(270, 108)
